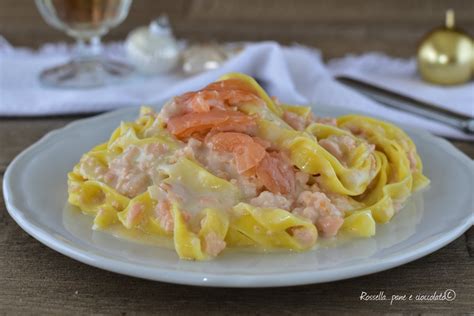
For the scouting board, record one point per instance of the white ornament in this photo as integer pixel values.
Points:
(153, 49)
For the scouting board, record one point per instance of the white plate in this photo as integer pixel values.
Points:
(35, 194)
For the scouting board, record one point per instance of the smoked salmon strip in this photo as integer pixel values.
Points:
(247, 152)
(276, 174)
(219, 120)
(218, 95)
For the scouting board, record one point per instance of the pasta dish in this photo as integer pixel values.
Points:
(227, 166)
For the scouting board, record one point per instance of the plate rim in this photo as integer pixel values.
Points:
(217, 280)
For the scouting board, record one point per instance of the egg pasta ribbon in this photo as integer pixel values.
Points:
(271, 228)
(306, 154)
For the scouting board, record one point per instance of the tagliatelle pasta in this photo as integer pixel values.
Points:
(227, 166)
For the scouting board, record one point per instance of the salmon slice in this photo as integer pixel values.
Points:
(218, 95)
(265, 143)
(247, 152)
(329, 225)
(273, 170)
(219, 120)
(276, 173)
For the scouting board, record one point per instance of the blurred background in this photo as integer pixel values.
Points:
(336, 27)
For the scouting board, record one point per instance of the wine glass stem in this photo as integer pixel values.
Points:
(88, 48)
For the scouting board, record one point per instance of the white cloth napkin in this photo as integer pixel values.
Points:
(294, 74)
(400, 75)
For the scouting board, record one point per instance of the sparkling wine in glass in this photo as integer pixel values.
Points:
(86, 21)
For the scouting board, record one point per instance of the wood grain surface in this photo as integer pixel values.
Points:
(337, 27)
(37, 280)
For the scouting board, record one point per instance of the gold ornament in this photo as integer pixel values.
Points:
(446, 54)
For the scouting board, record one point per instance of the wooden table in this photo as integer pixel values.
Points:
(35, 279)
(336, 27)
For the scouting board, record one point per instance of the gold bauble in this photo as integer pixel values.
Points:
(446, 54)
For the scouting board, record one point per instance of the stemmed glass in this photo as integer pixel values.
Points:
(86, 21)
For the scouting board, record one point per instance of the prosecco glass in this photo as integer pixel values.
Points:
(86, 21)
